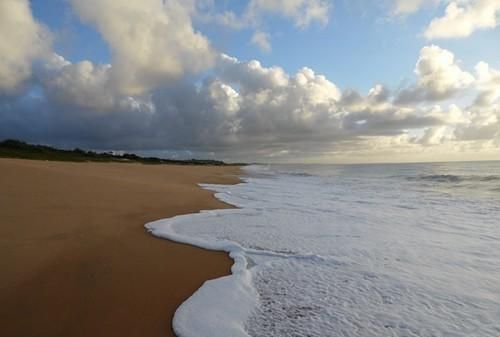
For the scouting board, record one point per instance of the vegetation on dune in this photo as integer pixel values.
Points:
(11, 148)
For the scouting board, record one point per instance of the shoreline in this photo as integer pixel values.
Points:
(76, 257)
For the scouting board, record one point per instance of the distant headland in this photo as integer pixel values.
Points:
(12, 148)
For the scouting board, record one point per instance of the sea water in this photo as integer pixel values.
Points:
(350, 250)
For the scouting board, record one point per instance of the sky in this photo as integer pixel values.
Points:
(318, 81)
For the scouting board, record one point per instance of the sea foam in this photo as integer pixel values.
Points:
(349, 251)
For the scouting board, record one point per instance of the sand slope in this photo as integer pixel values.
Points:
(75, 259)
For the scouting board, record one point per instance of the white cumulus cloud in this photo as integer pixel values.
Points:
(439, 77)
(22, 41)
(151, 41)
(462, 18)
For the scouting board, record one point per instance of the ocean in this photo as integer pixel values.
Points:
(349, 250)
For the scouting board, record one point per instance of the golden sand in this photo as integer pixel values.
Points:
(75, 259)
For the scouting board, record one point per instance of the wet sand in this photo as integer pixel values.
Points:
(75, 259)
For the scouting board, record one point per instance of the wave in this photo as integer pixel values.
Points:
(451, 178)
(266, 171)
(300, 174)
(324, 256)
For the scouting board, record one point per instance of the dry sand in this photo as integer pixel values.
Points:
(75, 259)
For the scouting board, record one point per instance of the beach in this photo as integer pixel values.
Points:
(75, 258)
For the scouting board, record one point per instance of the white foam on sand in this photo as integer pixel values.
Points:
(366, 252)
(219, 307)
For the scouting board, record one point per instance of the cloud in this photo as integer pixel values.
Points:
(227, 19)
(478, 123)
(302, 12)
(488, 84)
(483, 121)
(405, 7)
(261, 40)
(260, 111)
(439, 74)
(151, 41)
(483, 125)
(461, 19)
(434, 136)
(439, 77)
(23, 40)
(242, 110)
(82, 84)
(251, 75)
(269, 106)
